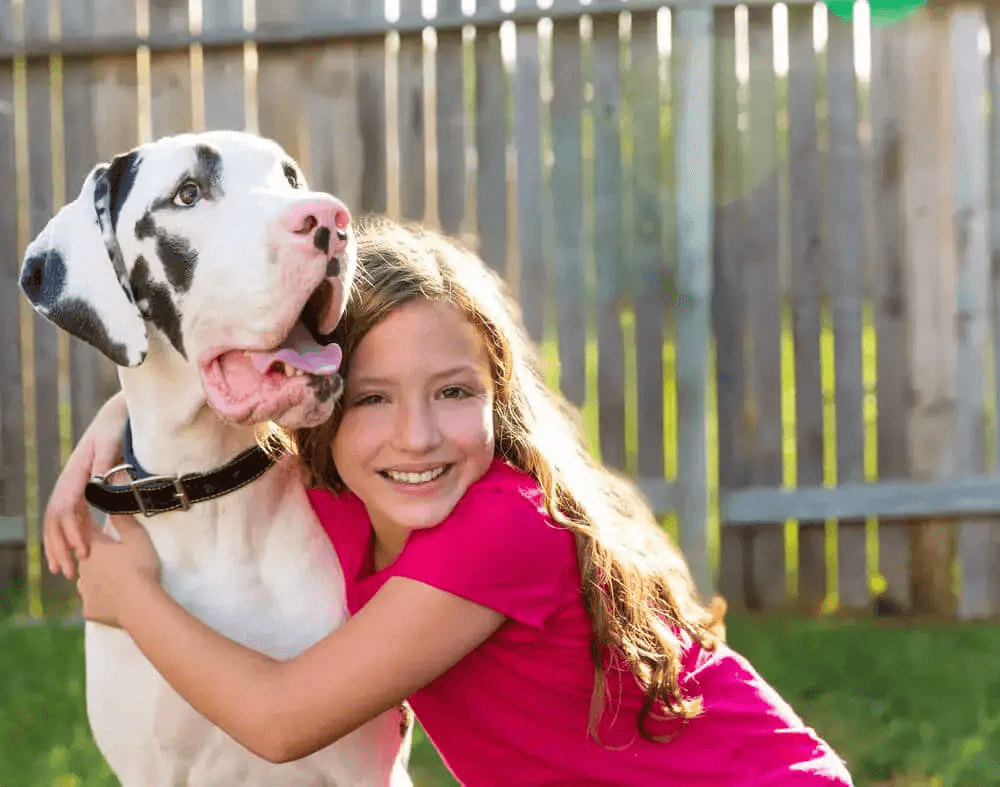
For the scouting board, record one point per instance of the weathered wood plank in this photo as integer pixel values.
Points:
(806, 215)
(728, 307)
(410, 108)
(450, 122)
(977, 543)
(371, 111)
(95, 90)
(928, 167)
(843, 285)
(993, 131)
(13, 566)
(170, 72)
(648, 265)
(763, 293)
(224, 78)
(890, 500)
(45, 338)
(281, 86)
(568, 206)
(695, 215)
(610, 260)
(886, 272)
(532, 278)
(491, 150)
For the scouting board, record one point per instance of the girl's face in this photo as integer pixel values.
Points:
(417, 427)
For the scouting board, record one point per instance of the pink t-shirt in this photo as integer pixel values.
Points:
(515, 710)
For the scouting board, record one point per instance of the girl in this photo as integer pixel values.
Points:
(519, 594)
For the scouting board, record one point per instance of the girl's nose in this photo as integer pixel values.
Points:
(417, 428)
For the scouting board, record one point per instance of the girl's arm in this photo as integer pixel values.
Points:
(407, 635)
(67, 516)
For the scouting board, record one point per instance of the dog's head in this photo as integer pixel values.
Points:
(206, 245)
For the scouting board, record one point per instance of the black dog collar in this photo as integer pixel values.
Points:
(149, 494)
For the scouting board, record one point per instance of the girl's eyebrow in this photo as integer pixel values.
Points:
(451, 371)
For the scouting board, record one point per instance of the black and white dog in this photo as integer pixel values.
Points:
(203, 268)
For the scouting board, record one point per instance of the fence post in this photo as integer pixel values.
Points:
(12, 456)
(695, 214)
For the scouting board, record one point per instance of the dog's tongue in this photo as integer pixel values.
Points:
(301, 351)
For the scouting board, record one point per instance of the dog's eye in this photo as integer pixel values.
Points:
(291, 175)
(188, 194)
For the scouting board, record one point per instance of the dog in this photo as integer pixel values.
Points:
(205, 270)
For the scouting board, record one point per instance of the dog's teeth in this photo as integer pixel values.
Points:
(289, 370)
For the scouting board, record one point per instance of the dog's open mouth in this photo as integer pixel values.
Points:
(255, 385)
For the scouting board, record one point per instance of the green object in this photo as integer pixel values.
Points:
(883, 12)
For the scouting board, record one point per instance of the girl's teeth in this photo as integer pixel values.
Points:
(415, 478)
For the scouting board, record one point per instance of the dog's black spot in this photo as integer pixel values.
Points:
(43, 278)
(80, 319)
(333, 267)
(145, 227)
(291, 174)
(120, 177)
(326, 387)
(208, 171)
(158, 305)
(179, 259)
(321, 240)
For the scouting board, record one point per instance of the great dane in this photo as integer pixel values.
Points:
(205, 270)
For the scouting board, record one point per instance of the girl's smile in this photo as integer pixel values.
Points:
(417, 428)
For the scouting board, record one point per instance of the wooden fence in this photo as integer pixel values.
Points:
(756, 239)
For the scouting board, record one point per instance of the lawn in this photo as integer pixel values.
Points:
(903, 705)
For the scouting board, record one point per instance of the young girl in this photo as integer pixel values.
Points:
(519, 594)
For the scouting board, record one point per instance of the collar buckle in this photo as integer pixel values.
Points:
(137, 485)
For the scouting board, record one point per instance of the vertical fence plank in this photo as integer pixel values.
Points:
(281, 89)
(844, 289)
(976, 547)
(12, 458)
(609, 255)
(694, 105)
(887, 271)
(224, 79)
(449, 86)
(568, 205)
(648, 265)
(410, 104)
(528, 144)
(993, 131)
(94, 90)
(45, 335)
(491, 146)
(928, 187)
(728, 308)
(371, 113)
(169, 72)
(806, 205)
(762, 285)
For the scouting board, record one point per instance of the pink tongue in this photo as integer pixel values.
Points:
(301, 351)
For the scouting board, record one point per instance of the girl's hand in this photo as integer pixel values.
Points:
(113, 566)
(68, 521)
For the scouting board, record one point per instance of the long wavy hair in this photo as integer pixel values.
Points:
(636, 587)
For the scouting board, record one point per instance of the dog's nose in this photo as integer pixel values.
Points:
(319, 222)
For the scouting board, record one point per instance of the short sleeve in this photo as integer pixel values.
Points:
(497, 548)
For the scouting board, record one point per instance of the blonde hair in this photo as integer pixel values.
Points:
(636, 585)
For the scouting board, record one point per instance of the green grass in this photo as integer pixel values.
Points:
(903, 706)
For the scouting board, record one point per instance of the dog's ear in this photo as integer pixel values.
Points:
(74, 275)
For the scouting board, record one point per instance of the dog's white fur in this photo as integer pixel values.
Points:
(255, 564)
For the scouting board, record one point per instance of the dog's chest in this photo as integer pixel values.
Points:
(277, 590)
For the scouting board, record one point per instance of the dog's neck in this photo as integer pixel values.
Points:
(173, 428)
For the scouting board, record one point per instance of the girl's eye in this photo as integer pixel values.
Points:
(188, 194)
(454, 392)
(369, 399)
